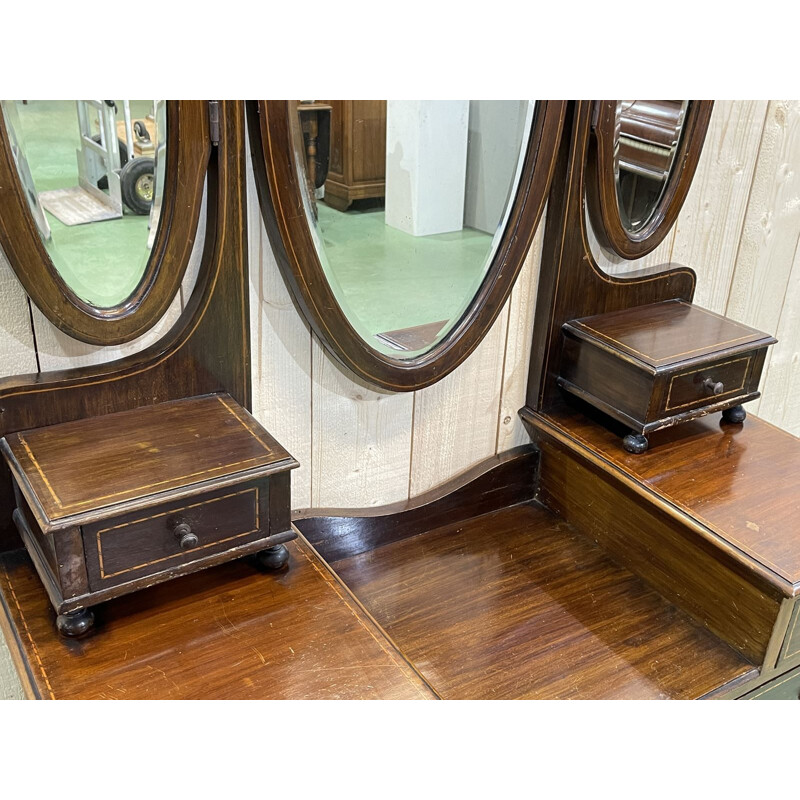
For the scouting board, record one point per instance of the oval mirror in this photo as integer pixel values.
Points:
(646, 141)
(415, 219)
(640, 168)
(92, 174)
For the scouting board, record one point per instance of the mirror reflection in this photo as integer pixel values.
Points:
(407, 201)
(647, 134)
(92, 172)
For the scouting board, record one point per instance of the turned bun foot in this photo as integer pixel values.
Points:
(736, 415)
(635, 443)
(74, 624)
(274, 557)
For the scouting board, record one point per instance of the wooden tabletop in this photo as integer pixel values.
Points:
(515, 604)
(661, 334)
(230, 632)
(738, 481)
(124, 461)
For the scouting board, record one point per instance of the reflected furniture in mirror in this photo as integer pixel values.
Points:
(401, 275)
(137, 471)
(657, 365)
(562, 568)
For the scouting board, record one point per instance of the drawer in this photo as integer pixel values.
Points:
(786, 687)
(708, 384)
(124, 548)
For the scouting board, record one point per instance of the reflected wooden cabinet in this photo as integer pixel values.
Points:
(358, 152)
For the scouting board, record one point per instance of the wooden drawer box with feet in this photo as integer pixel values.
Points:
(112, 504)
(655, 366)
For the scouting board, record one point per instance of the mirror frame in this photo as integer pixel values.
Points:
(601, 187)
(280, 191)
(188, 152)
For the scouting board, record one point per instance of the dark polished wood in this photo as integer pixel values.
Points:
(571, 283)
(601, 183)
(280, 191)
(517, 605)
(730, 481)
(188, 153)
(208, 349)
(661, 364)
(108, 505)
(233, 632)
(504, 480)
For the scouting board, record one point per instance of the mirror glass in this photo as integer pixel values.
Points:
(92, 172)
(646, 138)
(407, 201)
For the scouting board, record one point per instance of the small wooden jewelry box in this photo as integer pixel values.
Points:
(112, 504)
(658, 365)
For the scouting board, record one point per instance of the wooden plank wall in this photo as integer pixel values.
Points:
(361, 447)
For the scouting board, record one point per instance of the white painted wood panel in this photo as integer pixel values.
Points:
(522, 305)
(281, 355)
(361, 438)
(455, 420)
(17, 353)
(709, 227)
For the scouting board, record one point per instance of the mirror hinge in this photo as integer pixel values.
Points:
(213, 121)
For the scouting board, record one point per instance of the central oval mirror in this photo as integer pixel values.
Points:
(647, 135)
(407, 201)
(416, 216)
(90, 172)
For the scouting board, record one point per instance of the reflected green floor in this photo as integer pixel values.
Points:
(102, 262)
(386, 279)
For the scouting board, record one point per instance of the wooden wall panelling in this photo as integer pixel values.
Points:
(361, 438)
(770, 232)
(709, 227)
(17, 351)
(281, 353)
(510, 429)
(455, 420)
(780, 402)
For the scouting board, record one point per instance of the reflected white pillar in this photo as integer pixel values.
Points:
(426, 165)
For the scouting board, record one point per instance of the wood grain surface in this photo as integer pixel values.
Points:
(736, 481)
(231, 632)
(515, 604)
(101, 462)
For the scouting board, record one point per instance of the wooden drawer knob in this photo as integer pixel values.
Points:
(714, 387)
(186, 538)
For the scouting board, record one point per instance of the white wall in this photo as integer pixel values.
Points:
(360, 447)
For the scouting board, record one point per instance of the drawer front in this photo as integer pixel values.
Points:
(694, 387)
(149, 542)
(786, 687)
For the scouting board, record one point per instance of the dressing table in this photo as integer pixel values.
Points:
(568, 567)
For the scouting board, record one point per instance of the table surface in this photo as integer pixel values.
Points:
(133, 457)
(230, 632)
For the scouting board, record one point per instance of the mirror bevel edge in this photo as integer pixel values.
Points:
(601, 189)
(188, 153)
(279, 190)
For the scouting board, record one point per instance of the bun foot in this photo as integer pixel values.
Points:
(736, 415)
(75, 624)
(274, 557)
(635, 443)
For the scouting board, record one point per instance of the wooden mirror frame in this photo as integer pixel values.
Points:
(601, 186)
(280, 192)
(188, 151)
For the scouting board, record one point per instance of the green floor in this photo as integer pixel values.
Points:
(386, 279)
(102, 262)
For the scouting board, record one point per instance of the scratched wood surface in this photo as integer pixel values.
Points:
(231, 632)
(515, 604)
